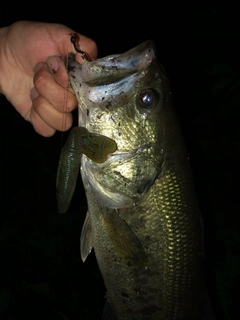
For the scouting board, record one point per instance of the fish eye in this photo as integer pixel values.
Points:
(148, 99)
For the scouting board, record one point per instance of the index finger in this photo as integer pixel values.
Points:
(51, 83)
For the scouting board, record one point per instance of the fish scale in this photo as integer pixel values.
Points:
(179, 288)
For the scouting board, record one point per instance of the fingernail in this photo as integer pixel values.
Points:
(53, 63)
(33, 94)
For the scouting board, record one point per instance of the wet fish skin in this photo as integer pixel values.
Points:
(143, 218)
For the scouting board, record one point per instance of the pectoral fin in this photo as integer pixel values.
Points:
(86, 240)
(124, 240)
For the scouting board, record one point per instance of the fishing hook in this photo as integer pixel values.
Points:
(74, 38)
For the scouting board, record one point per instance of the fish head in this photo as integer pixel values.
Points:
(124, 97)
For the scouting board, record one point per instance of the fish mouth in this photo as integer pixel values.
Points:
(97, 83)
(113, 67)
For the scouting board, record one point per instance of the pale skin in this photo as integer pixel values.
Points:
(33, 75)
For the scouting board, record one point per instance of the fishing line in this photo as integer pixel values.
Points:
(64, 116)
(74, 38)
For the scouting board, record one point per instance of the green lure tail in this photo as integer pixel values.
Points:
(80, 141)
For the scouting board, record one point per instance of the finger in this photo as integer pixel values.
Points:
(51, 116)
(59, 97)
(40, 126)
(88, 46)
(83, 43)
(57, 67)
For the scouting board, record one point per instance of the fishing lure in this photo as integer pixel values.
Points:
(80, 141)
(74, 38)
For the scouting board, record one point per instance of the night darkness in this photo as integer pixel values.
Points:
(41, 274)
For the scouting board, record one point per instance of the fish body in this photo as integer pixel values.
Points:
(143, 219)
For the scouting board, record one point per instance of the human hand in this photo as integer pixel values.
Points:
(33, 76)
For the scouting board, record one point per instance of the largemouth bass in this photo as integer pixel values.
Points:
(143, 219)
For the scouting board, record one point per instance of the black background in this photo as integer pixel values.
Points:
(42, 275)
